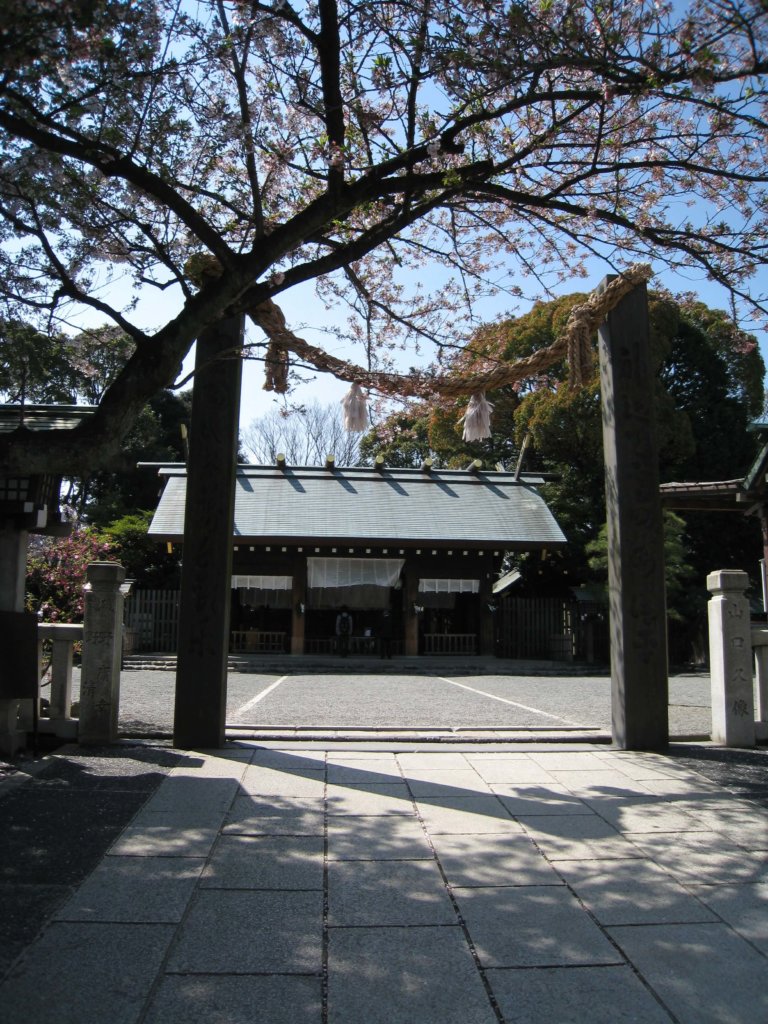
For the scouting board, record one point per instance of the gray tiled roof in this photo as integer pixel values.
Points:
(364, 505)
(43, 417)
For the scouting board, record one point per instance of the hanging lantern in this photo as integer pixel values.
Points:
(355, 409)
(477, 418)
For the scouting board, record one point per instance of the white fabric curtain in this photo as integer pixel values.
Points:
(262, 582)
(363, 597)
(264, 591)
(327, 573)
(435, 586)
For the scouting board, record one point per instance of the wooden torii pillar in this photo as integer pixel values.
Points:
(638, 619)
(206, 586)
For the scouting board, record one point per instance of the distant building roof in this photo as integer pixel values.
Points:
(439, 507)
(43, 417)
(712, 495)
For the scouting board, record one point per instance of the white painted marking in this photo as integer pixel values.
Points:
(514, 703)
(259, 696)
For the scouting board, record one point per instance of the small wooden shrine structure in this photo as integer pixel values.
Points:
(424, 545)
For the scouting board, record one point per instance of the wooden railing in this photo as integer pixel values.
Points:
(450, 643)
(357, 645)
(257, 641)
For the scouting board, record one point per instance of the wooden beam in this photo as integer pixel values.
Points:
(205, 596)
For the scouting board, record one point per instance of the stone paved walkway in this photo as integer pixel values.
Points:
(543, 885)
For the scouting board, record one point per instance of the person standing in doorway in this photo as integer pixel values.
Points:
(343, 631)
(385, 633)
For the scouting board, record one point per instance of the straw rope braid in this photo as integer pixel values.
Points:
(574, 343)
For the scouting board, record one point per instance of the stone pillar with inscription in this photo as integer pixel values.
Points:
(730, 659)
(638, 619)
(102, 653)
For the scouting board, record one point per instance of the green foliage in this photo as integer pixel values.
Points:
(678, 572)
(139, 553)
(155, 437)
(52, 368)
(708, 386)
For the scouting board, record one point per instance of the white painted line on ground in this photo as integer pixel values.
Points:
(259, 696)
(514, 703)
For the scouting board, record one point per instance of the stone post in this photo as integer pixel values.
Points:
(638, 621)
(13, 561)
(63, 636)
(760, 649)
(730, 659)
(102, 653)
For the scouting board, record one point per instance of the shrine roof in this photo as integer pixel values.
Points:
(331, 504)
(43, 417)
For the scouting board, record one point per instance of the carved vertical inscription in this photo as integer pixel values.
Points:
(635, 532)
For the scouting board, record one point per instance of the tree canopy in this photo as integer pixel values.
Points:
(708, 386)
(228, 150)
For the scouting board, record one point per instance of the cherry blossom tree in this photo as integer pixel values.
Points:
(225, 151)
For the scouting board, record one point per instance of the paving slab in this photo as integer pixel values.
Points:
(646, 814)
(432, 761)
(289, 816)
(515, 770)
(244, 999)
(164, 840)
(251, 932)
(296, 781)
(738, 822)
(547, 798)
(577, 837)
(532, 926)
(482, 860)
(404, 892)
(609, 783)
(702, 857)
(265, 862)
(85, 974)
(573, 995)
(567, 760)
(427, 782)
(588, 898)
(632, 892)
(135, 889)
(377, 837)
(193, 793)
(704, 973)
(476, 815)
(287, 759)
(364, 773)
(370, 798)
(744, 907)
(404, 976)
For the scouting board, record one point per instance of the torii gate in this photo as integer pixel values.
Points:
(635, 533)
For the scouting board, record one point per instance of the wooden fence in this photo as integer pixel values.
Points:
(553, 629)
(152, 621)
(546, 628)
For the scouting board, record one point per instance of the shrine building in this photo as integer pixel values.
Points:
(425, 545)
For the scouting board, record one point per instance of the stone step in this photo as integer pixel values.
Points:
(286, 664)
